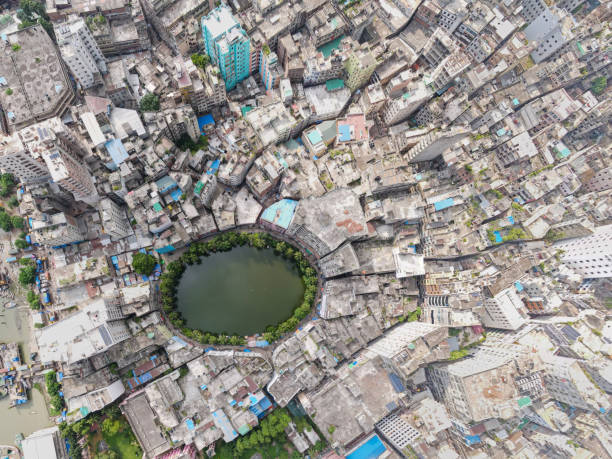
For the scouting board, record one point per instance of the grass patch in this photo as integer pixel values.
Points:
(124, 444)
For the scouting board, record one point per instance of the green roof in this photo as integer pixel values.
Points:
(246, 109)
(524, 401)
(314, 136)
(327, 48)
(580, 48)
(198, 187)
(244, 429)
(334, 84)
(157, 207)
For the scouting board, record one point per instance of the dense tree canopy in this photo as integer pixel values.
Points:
(143, 263)
(149, 103)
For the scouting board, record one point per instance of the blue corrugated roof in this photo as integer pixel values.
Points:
(205, 120)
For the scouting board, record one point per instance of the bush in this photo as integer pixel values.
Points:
(8, 91)
(5, 221)
(33, 299)
(143, 263)
(149, 103)
(13, 202)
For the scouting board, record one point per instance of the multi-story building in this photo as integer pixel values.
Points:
(70, 174)
(56, 230)
(502, 310)
(180, 121)
(268, 70)
(398, 109)
(90, 331)
(46, 443)
(435, 143)
(203, 89)
(227, 45)
(359, 66)
(566, 382)
(41, 92)
(16, 159)
(549, 33)
(114, 220)
(477, 388)
(80, 51)
(589, 256)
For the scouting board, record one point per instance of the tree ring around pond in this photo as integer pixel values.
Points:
(237, 284)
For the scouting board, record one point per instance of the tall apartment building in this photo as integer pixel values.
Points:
(435, 143)
(227, 45)
(477, 388)
(203, 89)
(567, 382)
(398, 109)
(269, 70)
(70, 174)
(590, 256)
(55, 230)
(549, 33)
(15, 158)
(180, 121)
(502, 310)
(80, 51)
(359, 67)
(114, 220)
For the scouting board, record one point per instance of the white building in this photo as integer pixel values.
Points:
(397, 110)
(567, 382)
(90, 331)
(16, 159)
(71, 174)
(57, 229)
(467, 388)
(114, 220)
(435, 143)
(549, 34)
(44, 444)
(589, 256)
(502, 311)
(80, 51)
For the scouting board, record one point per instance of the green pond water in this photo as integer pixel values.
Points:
(239, 292)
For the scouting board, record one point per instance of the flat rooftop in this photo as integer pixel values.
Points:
(31, 67)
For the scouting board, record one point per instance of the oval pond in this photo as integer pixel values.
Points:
(239, 292)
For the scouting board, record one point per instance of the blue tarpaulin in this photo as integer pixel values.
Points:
(444, 204)
(205, 120)
(344, 131)
(511, 219)
(190, 424)
(498, 237)
(117, 151)
(472, 439)
(518, 286)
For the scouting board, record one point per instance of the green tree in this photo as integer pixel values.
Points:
(13, 202)
(143, 263)
(27, 275)
(599, 85)
(199, 60)
(17, 222)
(149, 103)
(111, 426)
(21, 244)
(33, 299)
(5, 221)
